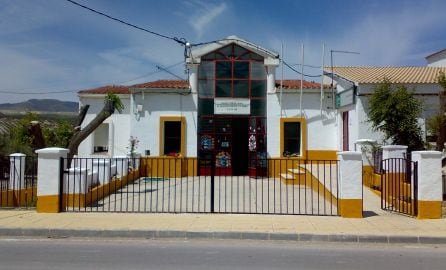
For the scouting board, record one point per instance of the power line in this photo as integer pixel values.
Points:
(310, 66)
(181, 41)
(12, 91)
(153, 72)
(298, 72)
(167, 71)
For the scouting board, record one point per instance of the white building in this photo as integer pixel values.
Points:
(437, 59)
(355, 85)
(233, 107)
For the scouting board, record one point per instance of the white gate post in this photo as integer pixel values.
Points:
(394, 151)
(430, 195)
(17, 171)
(48, 175)
(350, 184)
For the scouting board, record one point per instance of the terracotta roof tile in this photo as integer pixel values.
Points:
(114, 89)
(394, 74)
(295, 84)
(183, 84)
(161, 84)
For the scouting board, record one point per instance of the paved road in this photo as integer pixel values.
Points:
(175, 254)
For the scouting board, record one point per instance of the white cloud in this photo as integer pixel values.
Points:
(204, 15)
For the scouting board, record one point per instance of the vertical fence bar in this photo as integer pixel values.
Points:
(415, 189)
(212, 184)
(61, 179)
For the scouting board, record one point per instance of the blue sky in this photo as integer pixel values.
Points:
(52, 45)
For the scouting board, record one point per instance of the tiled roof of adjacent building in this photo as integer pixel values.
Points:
(160, 84)
(394, 74)
(183, 84)
(295, 84)
(115, 89)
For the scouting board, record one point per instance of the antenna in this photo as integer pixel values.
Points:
(322, 77)
(281, 79)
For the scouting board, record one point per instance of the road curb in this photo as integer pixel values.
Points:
(177, 234)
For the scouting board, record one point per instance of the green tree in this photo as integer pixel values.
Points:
(30, 135)
(437, 123)
(60, 135)
(112, 103)
(394, 110)
(21, 139)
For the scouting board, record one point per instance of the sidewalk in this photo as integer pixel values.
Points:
(378, 226)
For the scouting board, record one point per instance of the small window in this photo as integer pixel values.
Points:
(293, 137)
(100, 137)
(172, 136)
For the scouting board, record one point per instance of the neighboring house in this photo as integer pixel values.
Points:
(437, 59)
(355, 85)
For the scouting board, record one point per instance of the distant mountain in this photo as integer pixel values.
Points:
(42, 105)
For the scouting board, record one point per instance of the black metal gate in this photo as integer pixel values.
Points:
(399, 183)
(191, 185)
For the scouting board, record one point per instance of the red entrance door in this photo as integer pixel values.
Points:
(345, 131)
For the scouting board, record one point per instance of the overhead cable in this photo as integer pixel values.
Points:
(181, 41)
(300, 73)
(13, 91)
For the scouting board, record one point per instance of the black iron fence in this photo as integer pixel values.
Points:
(18, 181)
(191, 185)
(377, 154)
(399, 184)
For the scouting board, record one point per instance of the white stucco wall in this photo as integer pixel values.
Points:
(146, 124)
(321, 127)
(119, 126)
(360, 128)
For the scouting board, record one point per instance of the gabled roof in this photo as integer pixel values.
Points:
(409, 75)
(208, 47)
(435, 53)
(183, 84)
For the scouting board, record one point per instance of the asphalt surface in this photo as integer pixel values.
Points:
(213, 254)
(377, 226)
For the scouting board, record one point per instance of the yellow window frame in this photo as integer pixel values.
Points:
(303, 136)
(181, 119)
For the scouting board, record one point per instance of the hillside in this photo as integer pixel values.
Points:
(41, 105)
